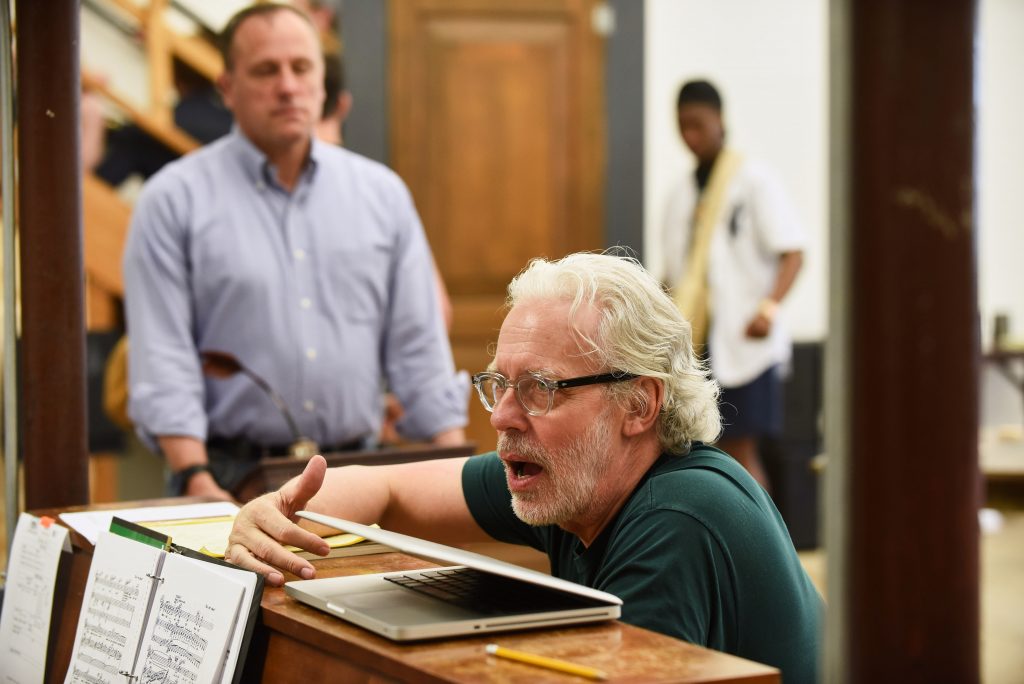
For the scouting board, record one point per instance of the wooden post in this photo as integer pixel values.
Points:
(906, 597)
(52, 351)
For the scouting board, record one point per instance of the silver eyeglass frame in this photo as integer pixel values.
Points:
(548, 384)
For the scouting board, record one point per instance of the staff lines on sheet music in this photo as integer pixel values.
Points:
(129, 588)
(160, 666)
(87, 677)
(179, 633)
(178, 646)
(111, 608)
(174, 611)
(109, 650)
(109, 634)
(110, 668)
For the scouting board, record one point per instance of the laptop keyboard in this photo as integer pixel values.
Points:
(487, 593)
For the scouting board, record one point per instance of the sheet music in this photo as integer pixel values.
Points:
(28, 599)
(194, 616)
(113, 610)
(248, 582)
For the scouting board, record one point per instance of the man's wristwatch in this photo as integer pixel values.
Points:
(182, 477)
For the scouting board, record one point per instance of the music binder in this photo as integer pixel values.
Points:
(153, 611)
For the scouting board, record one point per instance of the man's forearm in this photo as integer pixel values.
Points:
(182, 452)
(789, 266)
(423, 498)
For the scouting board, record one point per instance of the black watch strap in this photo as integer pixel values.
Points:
(182, 477)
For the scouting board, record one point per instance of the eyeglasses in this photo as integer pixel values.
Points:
(536, 394)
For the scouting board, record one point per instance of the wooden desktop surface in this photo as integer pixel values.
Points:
(296, 643)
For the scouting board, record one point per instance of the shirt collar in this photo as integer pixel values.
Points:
(256, 166)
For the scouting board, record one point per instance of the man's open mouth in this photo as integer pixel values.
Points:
(523, 469)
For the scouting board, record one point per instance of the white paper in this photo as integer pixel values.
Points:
(247, 580)
(28, 599)
(91, 523)
(194, 615)
(160, 616)
(113, 610)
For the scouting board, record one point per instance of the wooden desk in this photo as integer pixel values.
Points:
(274, 472)
(296, 643)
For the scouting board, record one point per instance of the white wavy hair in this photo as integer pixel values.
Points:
(640, 331)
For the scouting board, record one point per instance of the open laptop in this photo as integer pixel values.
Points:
(478, 594)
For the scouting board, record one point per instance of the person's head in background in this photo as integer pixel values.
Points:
(337, 101)
(273, 78)
(324, 16)
(699, 107)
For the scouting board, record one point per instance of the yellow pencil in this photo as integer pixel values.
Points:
(544, 661)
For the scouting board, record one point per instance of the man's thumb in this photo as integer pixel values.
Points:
(300, 490)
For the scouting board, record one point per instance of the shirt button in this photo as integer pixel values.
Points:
(310, 353)
(305, 303)
(299, 254)
(309, 405)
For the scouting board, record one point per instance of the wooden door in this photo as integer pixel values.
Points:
(498, 127)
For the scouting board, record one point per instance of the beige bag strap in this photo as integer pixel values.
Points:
(691, 292)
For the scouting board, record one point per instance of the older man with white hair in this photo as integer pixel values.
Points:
(603, 416)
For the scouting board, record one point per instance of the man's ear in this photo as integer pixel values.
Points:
(344, 105)
(642, 415)
(224, 88)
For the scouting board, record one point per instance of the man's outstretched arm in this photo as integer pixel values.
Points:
(424, 499)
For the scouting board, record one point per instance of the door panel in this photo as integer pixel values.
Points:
(498, 128)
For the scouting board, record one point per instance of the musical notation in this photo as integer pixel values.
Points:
(178, 641)
(176, 628)
(113, 610)
(96, 629)
(80, 676)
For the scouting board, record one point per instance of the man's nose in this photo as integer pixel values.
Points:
(508, 413)
(288, 82)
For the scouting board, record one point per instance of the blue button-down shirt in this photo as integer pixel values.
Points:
(325, 292)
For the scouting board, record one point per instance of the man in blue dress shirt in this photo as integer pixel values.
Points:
(305, 262)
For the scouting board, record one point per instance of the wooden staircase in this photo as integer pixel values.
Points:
(105, 215)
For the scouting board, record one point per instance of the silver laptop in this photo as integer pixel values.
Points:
(476, 594)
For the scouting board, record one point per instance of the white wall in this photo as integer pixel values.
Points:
(113, 55)
(1000, 159)
(770, 61)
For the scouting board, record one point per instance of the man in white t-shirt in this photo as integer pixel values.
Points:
(731, 243)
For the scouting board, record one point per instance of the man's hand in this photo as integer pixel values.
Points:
(761, 324)
(265, 524)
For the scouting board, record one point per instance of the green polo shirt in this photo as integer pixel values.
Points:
(698, 552)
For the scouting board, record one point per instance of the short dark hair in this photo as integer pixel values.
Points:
(699, 92)
(334, 83)
(227, 34)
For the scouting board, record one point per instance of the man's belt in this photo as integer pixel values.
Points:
(253, 451)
